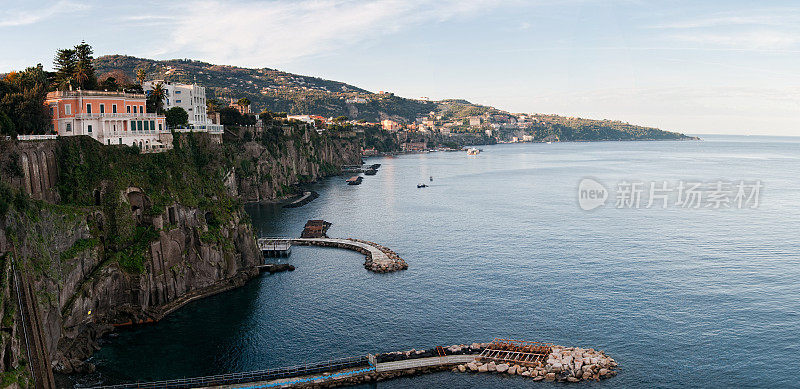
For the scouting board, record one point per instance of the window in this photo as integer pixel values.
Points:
(113, 108)
(68, 109)
(141, 109)
(102, 108)
(134, 109)
(129, 109)
(108, 141)
(133, 125)
(146, 125)
(139, 125)
(89, 109)
(69, 127)
(159, 126)
(89, 128)
(177, 92)
(51, 111)
(152, 125)
(120, 140)
(177, 101)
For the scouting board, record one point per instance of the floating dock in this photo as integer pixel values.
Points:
(275, 247)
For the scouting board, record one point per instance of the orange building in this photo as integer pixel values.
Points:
(109, 117)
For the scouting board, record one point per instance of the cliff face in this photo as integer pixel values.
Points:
(270, 167)
(94, 237)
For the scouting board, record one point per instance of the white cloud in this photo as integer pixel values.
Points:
(10, 17)
(258, 34)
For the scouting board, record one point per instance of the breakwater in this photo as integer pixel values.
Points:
(379, 259)
(567, 364)
(558, 364)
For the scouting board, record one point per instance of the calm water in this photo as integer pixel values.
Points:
(497, 246)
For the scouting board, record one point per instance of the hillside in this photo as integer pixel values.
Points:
(273, 89)
(279, 91)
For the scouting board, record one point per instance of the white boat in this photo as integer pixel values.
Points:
(472, 151)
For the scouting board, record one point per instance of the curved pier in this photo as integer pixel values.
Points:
(379, 259)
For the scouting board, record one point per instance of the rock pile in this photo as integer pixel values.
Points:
(570, 364)
(394, 262)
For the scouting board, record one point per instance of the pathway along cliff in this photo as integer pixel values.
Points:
(103, 236)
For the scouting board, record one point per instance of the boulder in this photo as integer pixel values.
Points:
(557, 367)
(491, 366)
(550, 377)
(526, 374)
(462, 368)
(472, 366)
(587, 375)
(483, 368)
(603, 372)
(573, 379)
(539, 378)
(502, 368)
(512, 369)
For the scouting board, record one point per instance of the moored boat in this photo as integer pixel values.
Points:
(355, 180)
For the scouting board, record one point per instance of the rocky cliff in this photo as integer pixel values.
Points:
(275, 160)
(97, 237)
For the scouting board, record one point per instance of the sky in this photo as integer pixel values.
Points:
(698, 67)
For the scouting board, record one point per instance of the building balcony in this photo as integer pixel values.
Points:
(79, 93)
(118, 116)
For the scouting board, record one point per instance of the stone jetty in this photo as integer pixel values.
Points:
(379, 259)
(563, 364)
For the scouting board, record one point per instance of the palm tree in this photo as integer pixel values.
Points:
(81, 74)
(158, 94)
(140, 75)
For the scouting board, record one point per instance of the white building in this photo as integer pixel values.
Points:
(303, 118)
(190, 97)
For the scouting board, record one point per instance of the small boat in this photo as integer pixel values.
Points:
(422, 186)
(472, 151)
(356, 180)
(375, 166)
(371, 172)
(431, 178)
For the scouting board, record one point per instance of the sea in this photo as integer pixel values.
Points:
(687, 273)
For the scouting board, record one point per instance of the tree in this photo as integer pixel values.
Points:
(65, 64)
(177, 117)
(109, 84)
(140, 75)
(213, 105)
(229, 116)
(84, 67)
(155, 98)
(22, 109)
(74, 66)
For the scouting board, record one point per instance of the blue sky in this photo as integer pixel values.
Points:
(690, 66)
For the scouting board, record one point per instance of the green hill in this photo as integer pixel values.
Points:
(280, 91)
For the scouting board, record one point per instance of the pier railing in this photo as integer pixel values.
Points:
(249, 377)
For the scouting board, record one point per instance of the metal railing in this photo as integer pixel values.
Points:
(247, 377)
(126, 116)
(77, 93)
